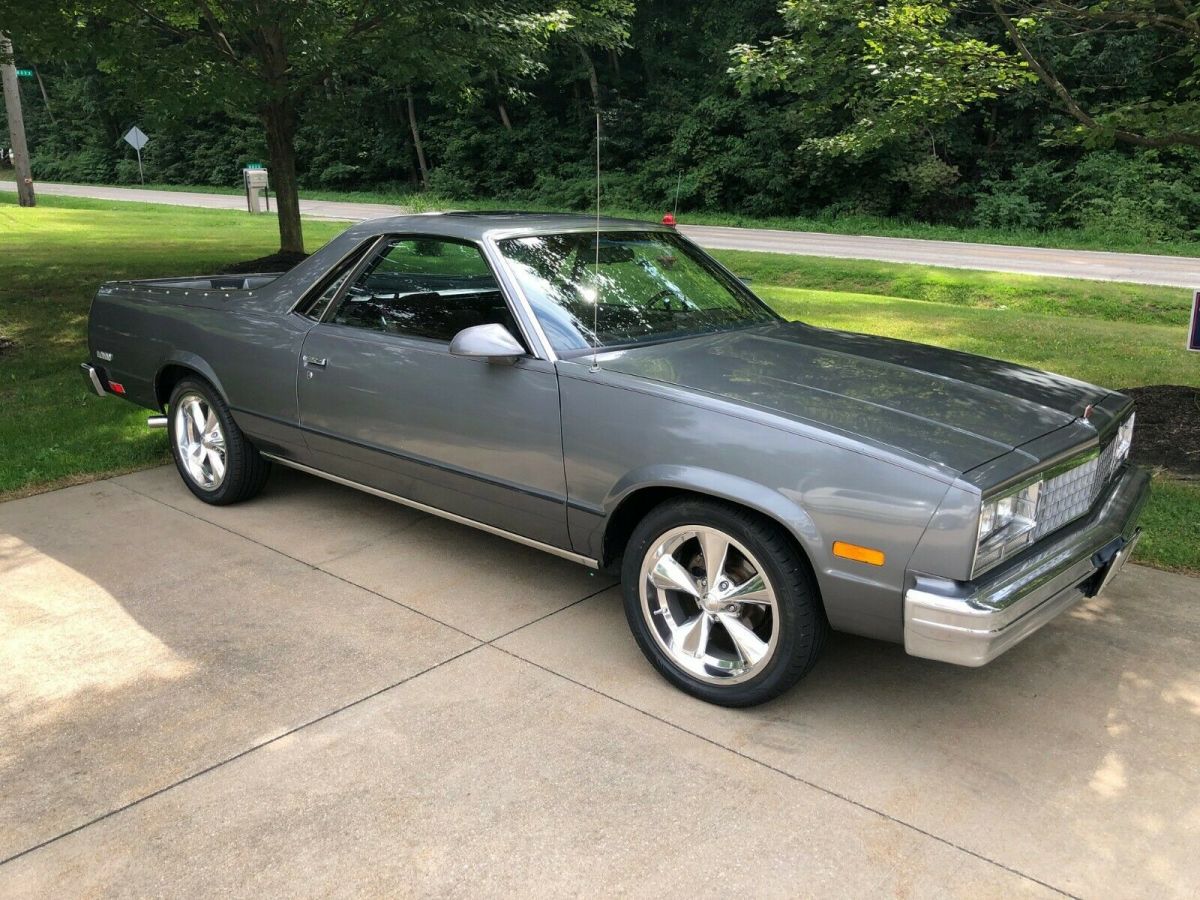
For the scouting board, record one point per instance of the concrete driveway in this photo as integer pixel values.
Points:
(321, 693)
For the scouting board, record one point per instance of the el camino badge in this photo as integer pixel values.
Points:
(104, 355)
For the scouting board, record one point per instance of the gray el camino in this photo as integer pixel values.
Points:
(608, 393)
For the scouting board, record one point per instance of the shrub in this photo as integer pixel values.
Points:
(1005, 207)
(1139, 194)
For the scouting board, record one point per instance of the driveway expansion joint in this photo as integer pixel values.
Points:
(480, 643)
(318, 719)
(234, 758)
(798, 779)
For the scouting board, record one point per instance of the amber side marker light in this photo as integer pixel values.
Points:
(857, 553)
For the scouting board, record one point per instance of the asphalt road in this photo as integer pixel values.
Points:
(319, 693)
(1171, 271)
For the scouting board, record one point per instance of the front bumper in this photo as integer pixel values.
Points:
(971, 623)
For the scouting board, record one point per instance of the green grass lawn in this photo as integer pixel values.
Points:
(1113, 301)
(52, 258)
(53, 431)
(881, 226)
(1123, 354)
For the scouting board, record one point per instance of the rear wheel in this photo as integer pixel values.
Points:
(216, 461)
(721, 602)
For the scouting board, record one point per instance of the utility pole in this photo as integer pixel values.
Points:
(16, 123)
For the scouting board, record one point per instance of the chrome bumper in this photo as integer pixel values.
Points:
(92, 377)
(971, 623)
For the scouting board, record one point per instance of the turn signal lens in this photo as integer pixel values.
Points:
(858, 554)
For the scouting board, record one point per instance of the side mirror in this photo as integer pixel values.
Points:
(492, 342)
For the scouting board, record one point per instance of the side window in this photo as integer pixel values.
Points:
(314, 305)
(427, 288)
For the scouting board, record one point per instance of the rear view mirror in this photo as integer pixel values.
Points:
(492, 342)
(610, 252)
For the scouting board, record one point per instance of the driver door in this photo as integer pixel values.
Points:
(384, 403)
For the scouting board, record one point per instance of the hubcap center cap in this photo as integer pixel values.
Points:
(712, 603)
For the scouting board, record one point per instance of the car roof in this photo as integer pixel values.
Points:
(474, 226)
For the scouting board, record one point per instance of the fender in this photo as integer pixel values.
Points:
(767, 501)
(187, 360)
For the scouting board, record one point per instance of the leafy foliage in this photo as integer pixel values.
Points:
(895, 69)
(923, 111)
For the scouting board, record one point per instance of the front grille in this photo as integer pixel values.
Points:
(1068, 495)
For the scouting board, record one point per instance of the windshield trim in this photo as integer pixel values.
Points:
(512, 284)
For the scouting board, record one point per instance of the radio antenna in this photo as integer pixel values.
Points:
(678, 179)
(596, 276)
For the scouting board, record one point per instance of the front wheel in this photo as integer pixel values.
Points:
(721, 602)
(216, 461)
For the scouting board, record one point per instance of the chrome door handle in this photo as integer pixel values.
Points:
(313, 361)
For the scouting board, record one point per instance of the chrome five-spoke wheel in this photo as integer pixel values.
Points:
(708, 604)
(200, 441)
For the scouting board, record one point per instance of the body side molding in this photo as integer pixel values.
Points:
(434, 511)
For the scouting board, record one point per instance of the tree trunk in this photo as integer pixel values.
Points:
(279, 117)
(578, 102)
(416, 136)
(500, 107)
(45, 96)
(593, 80)
(278, 113)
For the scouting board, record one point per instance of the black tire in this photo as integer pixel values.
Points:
(801, 623)
(245, 469)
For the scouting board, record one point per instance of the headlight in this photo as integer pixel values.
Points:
(1006, 524)
(1124, 440)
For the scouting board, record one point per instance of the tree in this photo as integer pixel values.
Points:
(891, 69)
(268, 56)
(899, 66)
(1139, 121)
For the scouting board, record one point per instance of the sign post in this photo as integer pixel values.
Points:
(137, 139)
(1193, 342)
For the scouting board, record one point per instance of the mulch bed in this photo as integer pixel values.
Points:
(276, 262)
(1167, 434)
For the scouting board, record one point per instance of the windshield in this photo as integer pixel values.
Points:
(646, 286)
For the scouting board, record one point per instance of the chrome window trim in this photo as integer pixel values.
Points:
(500, 234)
(493, 238)
(479, 246)
(510, 286)
(441, 513)
(366, 248)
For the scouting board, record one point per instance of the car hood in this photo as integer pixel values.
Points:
(951, 408)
